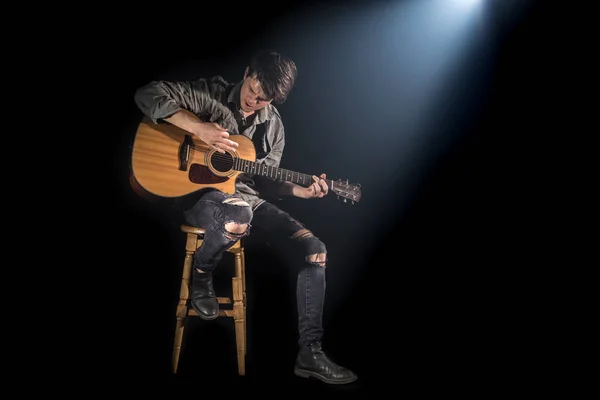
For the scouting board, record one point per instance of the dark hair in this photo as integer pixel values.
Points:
(275, 72)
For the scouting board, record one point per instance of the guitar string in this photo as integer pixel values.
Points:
(219, 157)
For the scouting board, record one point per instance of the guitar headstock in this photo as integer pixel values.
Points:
(346, 190)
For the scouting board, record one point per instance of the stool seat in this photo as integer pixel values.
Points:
(194, 239)
(193, 230)
(199, 232)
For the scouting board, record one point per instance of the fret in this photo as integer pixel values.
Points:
(272, 172)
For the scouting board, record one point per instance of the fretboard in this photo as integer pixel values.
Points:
(272, 172)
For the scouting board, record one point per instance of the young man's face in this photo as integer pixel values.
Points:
(252, 97)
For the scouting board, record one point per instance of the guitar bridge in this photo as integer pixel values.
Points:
(185, 151)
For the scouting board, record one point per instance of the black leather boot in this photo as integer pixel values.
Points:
(312, 362)
(203, 298)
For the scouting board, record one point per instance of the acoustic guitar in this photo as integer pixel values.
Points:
(167, 161)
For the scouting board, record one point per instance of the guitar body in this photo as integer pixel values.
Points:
(167, 161)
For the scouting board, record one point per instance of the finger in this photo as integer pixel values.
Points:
(321, 182)
(228, 144)
(314, 187)
(217, 148)
(319, 190)
(225, 147)
(219, 127)
(324, 186)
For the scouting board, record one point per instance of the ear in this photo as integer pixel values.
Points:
(246, 72)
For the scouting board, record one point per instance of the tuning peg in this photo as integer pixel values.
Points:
(345, 200)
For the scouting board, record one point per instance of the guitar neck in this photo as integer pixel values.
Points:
(253, 167)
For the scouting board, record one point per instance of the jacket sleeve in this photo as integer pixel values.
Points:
(161, 99)
(267, 186)
(274, 157)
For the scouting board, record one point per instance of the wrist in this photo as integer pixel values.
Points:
(291, 189)
(300, 191)
(186, 121)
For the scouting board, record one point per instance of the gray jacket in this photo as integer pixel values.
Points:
(217, 100)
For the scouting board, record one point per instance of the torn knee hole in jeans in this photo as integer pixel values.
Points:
(236, 202)
(235, 230)
(317, 253)
(319, 260)
(302, 234)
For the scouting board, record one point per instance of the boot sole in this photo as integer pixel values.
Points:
(310, 374)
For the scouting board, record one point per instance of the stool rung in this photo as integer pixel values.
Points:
(222, 313)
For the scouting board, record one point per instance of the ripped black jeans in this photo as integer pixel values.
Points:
(215, 209)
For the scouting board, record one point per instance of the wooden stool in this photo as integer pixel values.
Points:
(195, 237)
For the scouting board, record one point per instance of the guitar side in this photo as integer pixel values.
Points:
(156, 159)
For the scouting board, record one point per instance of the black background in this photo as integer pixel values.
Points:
(433, 292)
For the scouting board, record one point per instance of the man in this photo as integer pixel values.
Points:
(212, 110)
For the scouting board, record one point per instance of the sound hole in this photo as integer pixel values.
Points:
(221, 162)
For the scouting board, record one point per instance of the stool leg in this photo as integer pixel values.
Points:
(244, 299)
(181, 312)
(238, 314)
